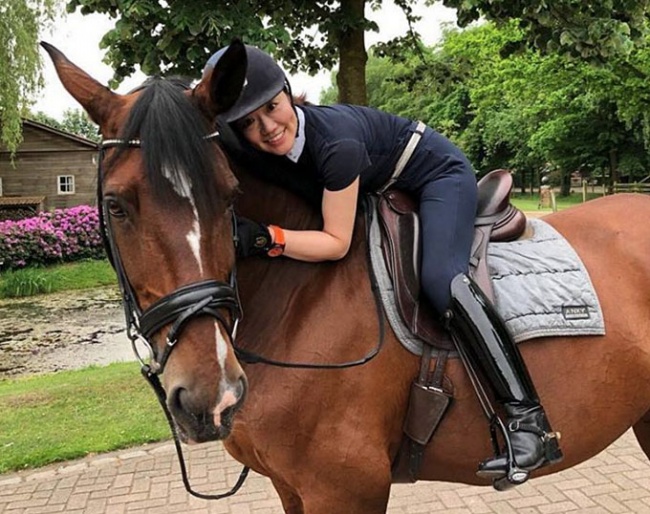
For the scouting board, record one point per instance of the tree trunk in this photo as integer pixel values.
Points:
(565, 185)
(613, 169)
(351, 78)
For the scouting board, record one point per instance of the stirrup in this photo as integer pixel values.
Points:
(512, 475)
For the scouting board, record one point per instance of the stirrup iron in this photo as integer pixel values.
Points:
(513, 475)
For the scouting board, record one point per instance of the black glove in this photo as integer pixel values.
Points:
(253, 238)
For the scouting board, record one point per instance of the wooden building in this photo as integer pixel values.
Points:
(52, 169)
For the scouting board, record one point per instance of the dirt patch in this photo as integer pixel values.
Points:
(60, 331)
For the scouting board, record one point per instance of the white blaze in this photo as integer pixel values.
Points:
(222, 348)
(183, 187)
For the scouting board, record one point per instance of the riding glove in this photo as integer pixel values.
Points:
(253, 238)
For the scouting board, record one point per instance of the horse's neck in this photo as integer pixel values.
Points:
(277, 293)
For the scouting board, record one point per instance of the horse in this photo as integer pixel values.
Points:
(325, 437)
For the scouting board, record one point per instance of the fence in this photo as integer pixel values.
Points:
(634, 187)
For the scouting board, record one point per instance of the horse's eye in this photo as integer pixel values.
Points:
(114, 209)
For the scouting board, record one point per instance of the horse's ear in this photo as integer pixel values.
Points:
(94, 97)
(222, 83)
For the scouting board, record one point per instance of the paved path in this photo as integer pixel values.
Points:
(146, 480)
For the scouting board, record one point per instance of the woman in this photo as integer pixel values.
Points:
(343, 151)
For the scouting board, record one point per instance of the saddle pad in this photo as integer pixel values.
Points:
(540, 285)
(542, 288)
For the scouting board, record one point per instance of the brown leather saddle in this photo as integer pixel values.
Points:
(431, 393)
(496, 220)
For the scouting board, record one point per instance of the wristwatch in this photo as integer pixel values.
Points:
(277, 247)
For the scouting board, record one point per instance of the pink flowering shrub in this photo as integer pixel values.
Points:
(51, 237)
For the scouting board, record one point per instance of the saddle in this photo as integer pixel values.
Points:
(496, 220)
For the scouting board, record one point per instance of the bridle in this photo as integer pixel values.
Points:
(207, 297)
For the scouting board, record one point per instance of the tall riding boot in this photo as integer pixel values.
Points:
(475, 324)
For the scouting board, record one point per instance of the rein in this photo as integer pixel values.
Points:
(206, 297)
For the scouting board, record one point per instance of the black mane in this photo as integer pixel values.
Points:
(172, 132)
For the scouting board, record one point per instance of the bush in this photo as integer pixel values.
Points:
(60, 236)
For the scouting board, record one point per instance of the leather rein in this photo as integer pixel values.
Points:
(207, 297)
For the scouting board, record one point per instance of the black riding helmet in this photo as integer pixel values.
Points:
(264, 80)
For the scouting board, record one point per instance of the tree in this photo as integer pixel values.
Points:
(592, 30)
(177, 36)
(523, 110)
(20, 61)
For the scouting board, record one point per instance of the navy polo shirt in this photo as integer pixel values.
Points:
(343, 142)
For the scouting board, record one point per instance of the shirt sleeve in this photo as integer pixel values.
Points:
(343, 162)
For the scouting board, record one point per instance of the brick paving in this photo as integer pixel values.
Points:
(147, 480)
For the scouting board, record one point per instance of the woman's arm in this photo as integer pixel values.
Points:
(333, 242)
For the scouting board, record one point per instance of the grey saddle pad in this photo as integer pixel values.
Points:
(540, 285)
(542, 288)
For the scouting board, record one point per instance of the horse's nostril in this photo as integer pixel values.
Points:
(178, 401)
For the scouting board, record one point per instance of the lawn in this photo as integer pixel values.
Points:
(530, 202)
(66, 415)
(38, 280)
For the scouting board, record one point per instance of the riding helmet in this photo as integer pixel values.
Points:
(264, 80)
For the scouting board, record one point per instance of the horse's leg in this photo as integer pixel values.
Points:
(360, 493)
(291, 501)
(324, 501)
(642, 433)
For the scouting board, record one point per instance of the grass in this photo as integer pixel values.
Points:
(77, 275)
(531, 202)
(67, 415)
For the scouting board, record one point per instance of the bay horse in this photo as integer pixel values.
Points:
(327, 438)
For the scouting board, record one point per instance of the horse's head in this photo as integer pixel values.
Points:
(166, 193)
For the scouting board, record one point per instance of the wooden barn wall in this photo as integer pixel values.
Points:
(41, 158)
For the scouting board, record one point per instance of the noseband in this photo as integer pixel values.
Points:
(207, 297)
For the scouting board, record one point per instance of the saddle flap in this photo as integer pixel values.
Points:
(401, 248)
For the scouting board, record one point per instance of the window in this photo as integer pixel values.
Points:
(65, 184)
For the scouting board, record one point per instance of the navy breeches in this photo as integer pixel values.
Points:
(445, 183)
(447, 214)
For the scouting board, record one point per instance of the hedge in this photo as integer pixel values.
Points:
(51, 237)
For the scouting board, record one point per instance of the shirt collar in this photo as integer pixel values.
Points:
(299, 144)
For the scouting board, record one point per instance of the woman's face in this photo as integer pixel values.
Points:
(271, 128)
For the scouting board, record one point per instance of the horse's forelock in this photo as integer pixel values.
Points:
(178, 159)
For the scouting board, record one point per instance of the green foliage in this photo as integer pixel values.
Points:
(75, 121)
(524, 111)
(178, 37)
(20, 62)
(591, 30)
(68, 415)
(86, 274)
(27, 282)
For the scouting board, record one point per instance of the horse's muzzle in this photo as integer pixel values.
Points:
(198, 425)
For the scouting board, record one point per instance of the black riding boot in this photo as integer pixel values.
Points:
(475, 324)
